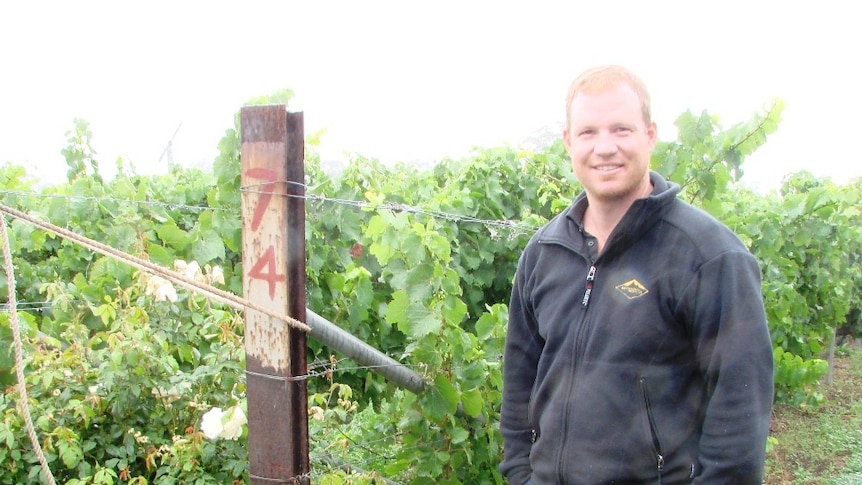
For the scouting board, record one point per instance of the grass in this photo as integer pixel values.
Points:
(821, 446)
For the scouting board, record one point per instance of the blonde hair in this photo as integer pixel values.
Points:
(599, 78)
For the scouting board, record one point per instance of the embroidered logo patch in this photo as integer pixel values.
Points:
(632, 289)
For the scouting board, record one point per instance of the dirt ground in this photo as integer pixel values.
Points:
(814, 446)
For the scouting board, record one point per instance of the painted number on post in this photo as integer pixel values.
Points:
(265, 268)
(266, 188)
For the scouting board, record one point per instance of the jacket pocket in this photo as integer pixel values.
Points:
(653, 427)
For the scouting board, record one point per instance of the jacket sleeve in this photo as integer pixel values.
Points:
(520, 361)
(734, 352)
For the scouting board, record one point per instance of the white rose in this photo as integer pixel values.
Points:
(216, 275)
(233, 427)
(192, 271)
(211, 423)
(166, 292)
(161, 289)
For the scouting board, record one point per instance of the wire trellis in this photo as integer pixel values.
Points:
(318, 369)
(359, 204)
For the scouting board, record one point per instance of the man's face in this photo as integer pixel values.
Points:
(610, 144)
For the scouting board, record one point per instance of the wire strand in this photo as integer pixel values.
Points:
(361, 204)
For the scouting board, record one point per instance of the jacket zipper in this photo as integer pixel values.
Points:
(653, 430)
(591, 276)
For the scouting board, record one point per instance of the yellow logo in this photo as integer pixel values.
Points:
(632, 289)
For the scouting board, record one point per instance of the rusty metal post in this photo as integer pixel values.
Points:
(273, 246)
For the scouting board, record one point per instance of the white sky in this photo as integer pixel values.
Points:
(417, 80)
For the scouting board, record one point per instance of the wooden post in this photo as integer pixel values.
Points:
(273, 246)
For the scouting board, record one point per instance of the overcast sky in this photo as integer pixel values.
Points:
(417, 80)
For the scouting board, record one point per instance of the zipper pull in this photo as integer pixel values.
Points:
(590, 277)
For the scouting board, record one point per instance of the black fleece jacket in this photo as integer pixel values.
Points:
(648, 363)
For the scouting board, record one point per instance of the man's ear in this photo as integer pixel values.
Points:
(652, 132)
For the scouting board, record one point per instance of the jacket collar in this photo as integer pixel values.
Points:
(641, 216)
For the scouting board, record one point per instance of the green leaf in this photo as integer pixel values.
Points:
(472, 402)
(440, 247)
(159, 255)
(376, 226)
(209, 248)
(417, 282)
(70, 454)
(173, 236)
(486, 325)
(459, 435)
(396, 311)
(394, 467)
(382, 252)
(454, 310)
(413, 249)
(420, 321)
(441, 399)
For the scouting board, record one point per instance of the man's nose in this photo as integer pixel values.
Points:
(606, 146)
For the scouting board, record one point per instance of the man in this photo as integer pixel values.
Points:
(637, 347)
